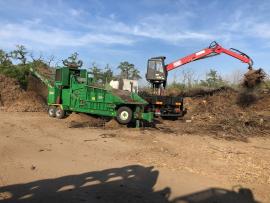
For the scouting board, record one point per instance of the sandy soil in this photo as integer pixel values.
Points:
(43, 160)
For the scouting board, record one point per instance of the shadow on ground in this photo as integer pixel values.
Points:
(129, 184)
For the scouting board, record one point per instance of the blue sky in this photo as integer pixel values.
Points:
(106, 31)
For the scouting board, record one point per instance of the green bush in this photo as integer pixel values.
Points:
(213, 80)
(14, 64)
(19, 72)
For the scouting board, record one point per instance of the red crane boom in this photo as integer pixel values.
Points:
(213, 50)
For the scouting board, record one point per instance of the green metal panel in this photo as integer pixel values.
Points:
(65, 76)
(66, 97)
(51, 95)
(148, 116)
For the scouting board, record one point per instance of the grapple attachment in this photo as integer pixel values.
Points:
(253, 78)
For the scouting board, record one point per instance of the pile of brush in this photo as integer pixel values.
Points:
(230, 114)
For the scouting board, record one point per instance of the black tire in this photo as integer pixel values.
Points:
(124, 115)
(60, 113)
(51, 111)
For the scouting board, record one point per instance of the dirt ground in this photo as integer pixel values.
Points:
(44, 160)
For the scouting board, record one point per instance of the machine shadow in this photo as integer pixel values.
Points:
(130, 184)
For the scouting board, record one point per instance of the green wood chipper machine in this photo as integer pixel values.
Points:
(74, 90)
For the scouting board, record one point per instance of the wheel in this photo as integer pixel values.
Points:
(59, 113)
(124, 115)
(51, 111)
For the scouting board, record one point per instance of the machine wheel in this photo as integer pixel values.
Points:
(51, 111)
(59, 113)
(124, 115)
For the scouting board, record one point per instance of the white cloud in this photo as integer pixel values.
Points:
(102, 31)
(30, 33)
(171, 37)
(75, 12)
(170, 28)
(261, 30)
(165, 27)
(246, 24)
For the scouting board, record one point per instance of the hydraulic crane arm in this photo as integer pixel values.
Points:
(213, 50)
(157, 71)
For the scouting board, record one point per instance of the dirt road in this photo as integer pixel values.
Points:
(42, 160)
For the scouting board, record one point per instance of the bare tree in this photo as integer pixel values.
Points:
(36, 59)
(57, 62)
(188, 77)
(237, 76)
(20, 54)
(50, 59)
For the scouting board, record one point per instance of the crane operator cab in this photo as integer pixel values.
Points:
(156, 71)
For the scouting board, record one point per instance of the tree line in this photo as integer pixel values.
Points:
(188, 80)
(16, 64)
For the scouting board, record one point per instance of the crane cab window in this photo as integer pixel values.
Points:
(159, 66)
(156, 66)
(152, 65)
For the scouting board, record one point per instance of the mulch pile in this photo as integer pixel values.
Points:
(14, 99)
(81, 120)
(225, 112)
(228, 114)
